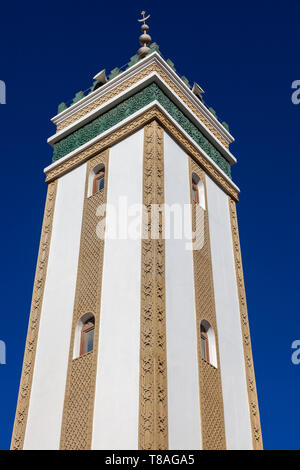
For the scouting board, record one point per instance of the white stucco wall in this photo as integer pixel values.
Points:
(182, 359)
(117, 385)
(236, 408)
(51, 363)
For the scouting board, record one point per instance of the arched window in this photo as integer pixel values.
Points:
(208, 343)
(84, 335)
(198, 191)
(96, 179)
(87, 336)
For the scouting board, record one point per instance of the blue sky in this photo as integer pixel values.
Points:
(245, 57)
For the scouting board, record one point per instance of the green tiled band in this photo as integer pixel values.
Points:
(127, 108)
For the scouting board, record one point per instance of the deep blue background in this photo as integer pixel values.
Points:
(245, 56)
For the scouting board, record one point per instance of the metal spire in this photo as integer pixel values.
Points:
(144, 38)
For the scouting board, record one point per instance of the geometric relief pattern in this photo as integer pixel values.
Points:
(153, 414)
(77, 421)
(34, 321)
(79, 401)
(250, 375)
(211, 399)
(212, 402)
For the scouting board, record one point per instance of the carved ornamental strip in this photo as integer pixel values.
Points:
(18, 435)
(153, 413)
(249, 367)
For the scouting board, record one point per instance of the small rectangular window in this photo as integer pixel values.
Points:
(98, 182)
(101, 183)
(204, 347)
(195, 193)
(89, 341)
(87, 337)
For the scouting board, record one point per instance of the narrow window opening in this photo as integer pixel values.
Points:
(195, 193)
(198, 191)
(208, 343)
(204, 344)
(84, 335)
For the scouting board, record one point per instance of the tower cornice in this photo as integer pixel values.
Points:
(87, 107)
(130, 125)
(153, 77)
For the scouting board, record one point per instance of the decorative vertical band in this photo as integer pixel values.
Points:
(34, 321)
(153, 415)
(211, 399)
(78, 411)
(250, 375)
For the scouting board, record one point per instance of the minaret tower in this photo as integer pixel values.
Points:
(138, 334)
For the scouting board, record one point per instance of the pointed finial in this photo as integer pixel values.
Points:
(144, 38)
